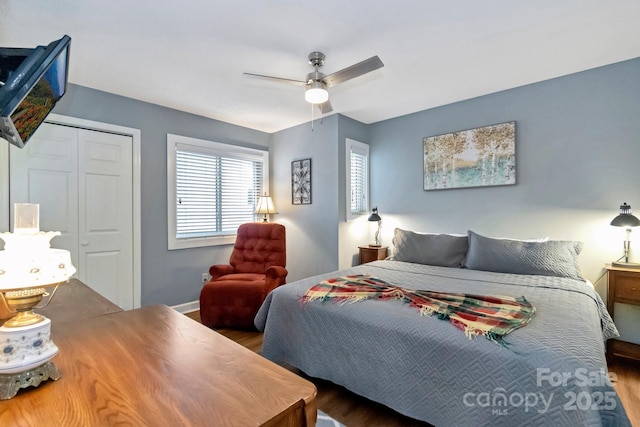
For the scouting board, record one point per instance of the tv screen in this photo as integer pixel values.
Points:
(34, 81)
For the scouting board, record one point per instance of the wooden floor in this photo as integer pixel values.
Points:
(355, 411)
(627, 386)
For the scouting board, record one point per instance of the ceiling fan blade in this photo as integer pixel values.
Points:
(355, 70)
(278, 79)
(325, 107)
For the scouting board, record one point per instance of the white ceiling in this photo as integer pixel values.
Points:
(190, 54)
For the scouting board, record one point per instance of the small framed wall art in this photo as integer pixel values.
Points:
(301, 182)
(480, 157)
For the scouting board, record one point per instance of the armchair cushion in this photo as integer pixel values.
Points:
(242, 277)
(258, 246)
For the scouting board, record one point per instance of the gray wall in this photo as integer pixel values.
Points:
(168, 277)
(577, 152)
(318, 238)
(312, 235)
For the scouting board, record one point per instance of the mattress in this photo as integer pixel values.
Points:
(551, 372)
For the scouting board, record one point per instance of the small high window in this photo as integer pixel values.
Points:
(357, 160)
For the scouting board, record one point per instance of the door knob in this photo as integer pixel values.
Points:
(84, 243)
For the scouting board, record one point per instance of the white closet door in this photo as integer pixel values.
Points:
(106, 215)
(45, 171)
(83, 182)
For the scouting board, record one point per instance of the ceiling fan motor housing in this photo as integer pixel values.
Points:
(317, 59)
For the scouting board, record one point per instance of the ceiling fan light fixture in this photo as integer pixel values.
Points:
(316, 83)
(316, 93)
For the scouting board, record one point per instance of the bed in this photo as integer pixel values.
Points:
(550, 372)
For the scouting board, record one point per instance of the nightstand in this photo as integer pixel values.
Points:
(372, 253)
(623, 287)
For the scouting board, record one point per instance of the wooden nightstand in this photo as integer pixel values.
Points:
(372, 253)
(623, 287)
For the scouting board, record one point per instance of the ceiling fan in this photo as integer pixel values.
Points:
(316, 83)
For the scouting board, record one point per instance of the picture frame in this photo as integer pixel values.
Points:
(301, 182)
(479, 157)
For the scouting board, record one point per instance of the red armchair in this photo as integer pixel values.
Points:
(237, 290)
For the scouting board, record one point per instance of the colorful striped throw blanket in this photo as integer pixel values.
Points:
(490, 316)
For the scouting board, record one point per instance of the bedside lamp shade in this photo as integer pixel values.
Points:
(374, 215)
(626, 219)
(265, 207)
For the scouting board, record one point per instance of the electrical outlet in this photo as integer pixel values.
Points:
(205, 277)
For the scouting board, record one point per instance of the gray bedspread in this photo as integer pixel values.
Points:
(553, 371)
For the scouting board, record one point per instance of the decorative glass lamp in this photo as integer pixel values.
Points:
(28, 266)
(375, 217)
(265, 207)
(626, 219)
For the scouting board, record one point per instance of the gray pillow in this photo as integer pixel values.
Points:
(444, 250)
(547, 258)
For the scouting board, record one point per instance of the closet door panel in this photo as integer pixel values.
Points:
(106, 214)
(45, 172)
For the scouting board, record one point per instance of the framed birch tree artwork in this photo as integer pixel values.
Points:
(301, 182)
(480, 157)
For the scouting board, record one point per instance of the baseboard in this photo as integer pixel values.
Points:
(187, 307)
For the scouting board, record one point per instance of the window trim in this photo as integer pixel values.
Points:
(209, 146)
(361, 148)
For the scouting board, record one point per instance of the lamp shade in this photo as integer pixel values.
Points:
(28, 261)
(374, 215)
(265, 207)
(34, 266)
(316, 93)
(625, 218)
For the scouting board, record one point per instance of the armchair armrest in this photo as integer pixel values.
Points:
(275, 276)
(220, 270)
(276, 272)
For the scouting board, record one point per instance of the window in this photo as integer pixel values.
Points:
(357, 161)
(212, 188)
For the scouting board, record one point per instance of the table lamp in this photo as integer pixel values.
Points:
(265, 207)
(375, 217)
(28, 266)
(626, 219)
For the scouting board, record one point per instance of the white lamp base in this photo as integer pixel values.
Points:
(26, 347)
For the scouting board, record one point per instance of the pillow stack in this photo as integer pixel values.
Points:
(474, 251)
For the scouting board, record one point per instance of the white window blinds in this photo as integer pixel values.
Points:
(216, 190)
(214, 194)
(357, 160)
(359, 187)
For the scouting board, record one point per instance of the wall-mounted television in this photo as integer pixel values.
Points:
(31, 82)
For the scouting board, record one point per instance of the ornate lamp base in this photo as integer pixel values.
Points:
(11, 383)
(25, 354)
(25, 347)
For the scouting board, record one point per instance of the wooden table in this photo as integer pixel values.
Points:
(156, 367)
(74, 302)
